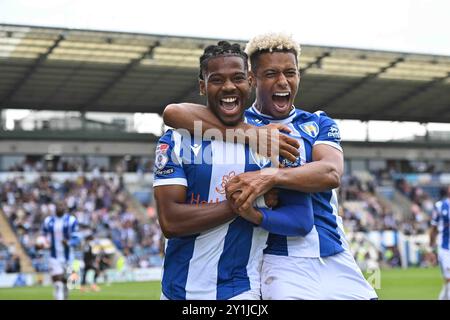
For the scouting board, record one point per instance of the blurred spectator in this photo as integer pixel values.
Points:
(13, 265)
(103, 264)
(89, 263)
(392, 256)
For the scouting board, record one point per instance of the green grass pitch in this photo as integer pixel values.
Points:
(400, 284)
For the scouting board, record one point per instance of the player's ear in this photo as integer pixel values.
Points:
(202, 86)
(252, 79)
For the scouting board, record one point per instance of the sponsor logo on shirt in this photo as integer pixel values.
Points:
(225, 179)
(164, 172)
(333, 132)
(196, 148)
(195, 199)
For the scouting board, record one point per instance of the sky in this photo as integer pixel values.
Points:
(420, 26)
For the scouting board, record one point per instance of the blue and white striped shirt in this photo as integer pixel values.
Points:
(59, 229)
(327, 237)
(225, 261)
(441, 219)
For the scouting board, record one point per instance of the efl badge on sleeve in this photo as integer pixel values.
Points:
(161, 156)
(310, 128)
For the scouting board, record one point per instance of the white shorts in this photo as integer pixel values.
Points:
(57, 267)
(336, 277)
(444, 262)
(248, 295)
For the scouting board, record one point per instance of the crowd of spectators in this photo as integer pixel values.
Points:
(101, 206)
(362, 210)
(373, 214)
(422, 204)
(9, 259)
(82, 165)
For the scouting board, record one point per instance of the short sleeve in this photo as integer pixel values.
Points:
(75, 238)
(168, 168)
(74, 224)
(45, 226)
(436, 214)
(328, 132)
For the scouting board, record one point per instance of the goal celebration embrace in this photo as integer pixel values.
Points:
(224, 156)
(272, 231)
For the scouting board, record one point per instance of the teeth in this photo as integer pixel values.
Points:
(281, 94)
(229, 100)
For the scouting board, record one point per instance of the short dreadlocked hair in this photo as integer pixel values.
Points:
(271, 42)
(223, 48)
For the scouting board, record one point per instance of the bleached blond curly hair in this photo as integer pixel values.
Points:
(272, 42)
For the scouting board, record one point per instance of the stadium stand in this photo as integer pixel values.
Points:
(13, 257)
(63, 164)
(405, 219)
(84, 70)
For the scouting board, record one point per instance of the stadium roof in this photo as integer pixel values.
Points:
(67, 69)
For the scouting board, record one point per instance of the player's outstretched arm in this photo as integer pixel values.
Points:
(178, 219)
(267, 139)
(293, 216)
(323, 174)
(280, 219)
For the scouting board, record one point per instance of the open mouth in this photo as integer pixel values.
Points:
(230, 105)
(281, 100)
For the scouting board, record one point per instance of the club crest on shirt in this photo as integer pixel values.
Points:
(161, 156)
(310, 128)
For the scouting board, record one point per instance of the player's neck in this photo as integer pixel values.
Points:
(259, 108)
